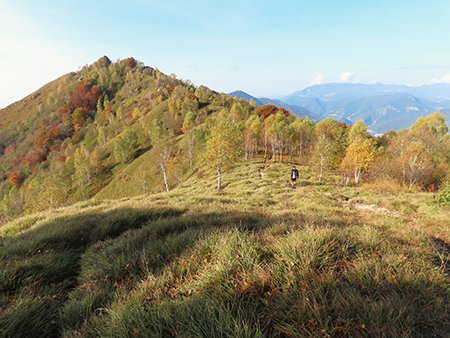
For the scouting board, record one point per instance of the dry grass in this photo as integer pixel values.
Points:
(256, 260)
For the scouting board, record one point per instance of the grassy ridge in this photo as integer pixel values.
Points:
(257, 260)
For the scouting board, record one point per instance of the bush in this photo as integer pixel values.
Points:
(443, 195)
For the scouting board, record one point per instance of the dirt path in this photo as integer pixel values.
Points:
(376, 209)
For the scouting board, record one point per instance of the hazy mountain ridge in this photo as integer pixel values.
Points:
(438, 92)
(382, 107)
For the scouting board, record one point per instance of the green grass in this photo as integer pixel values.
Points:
(256, 260)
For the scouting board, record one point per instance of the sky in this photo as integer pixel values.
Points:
(263, 47)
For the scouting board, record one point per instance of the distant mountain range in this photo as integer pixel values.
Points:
(382, 107)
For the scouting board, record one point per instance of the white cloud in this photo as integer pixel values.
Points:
(445, 79)
(345, 77)
(317, 80)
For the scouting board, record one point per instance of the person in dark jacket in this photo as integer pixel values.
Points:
(294, 176)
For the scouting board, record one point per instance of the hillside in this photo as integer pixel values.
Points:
(71, 138)
(256, 260)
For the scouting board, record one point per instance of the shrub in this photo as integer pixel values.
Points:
(443, 195)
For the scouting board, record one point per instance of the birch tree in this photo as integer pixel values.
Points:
(360, 154)
(162, 141)
(323, 153)
(223, 147)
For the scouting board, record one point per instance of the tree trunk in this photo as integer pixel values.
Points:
(166, 182)
(321, 170)
(357, 175)
(219, 179)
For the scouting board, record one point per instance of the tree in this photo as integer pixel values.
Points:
(223, 147)
(189, 122)
(417, 160)
(360, 154)
(79, 117)
(16, 179)
(357, 131)
(303, 135)
(323, 153)
(130, 62)
(125, 145)
(434, 123)
(85, 96)
(162, 141)
(191, 136)
(251, 135)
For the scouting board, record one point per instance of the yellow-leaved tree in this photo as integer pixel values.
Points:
(417, 161)
(223, 147)
(359, 155)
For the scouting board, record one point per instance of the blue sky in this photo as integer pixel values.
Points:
(264, 47)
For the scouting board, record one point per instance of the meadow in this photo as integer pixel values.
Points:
(258, 259)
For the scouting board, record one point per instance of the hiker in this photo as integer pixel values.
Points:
(294, 175)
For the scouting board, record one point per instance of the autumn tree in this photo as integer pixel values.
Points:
(251, 135)
(303, 135)
(189, 122)
(417, 160)
(16, 179)
(223, 147)
(281, 132)
(357, 131)
(130, 62)
(359, 155)
(190, 141)
(85, 96)
(162, 142)
(322, 155)
(79, 117)
(237, 112)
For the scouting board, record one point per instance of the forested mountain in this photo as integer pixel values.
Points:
(72, 137)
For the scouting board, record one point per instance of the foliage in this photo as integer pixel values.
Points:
(162, 141)
(322, 156)
(360, 154)
(443, 195)
(223, 147)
